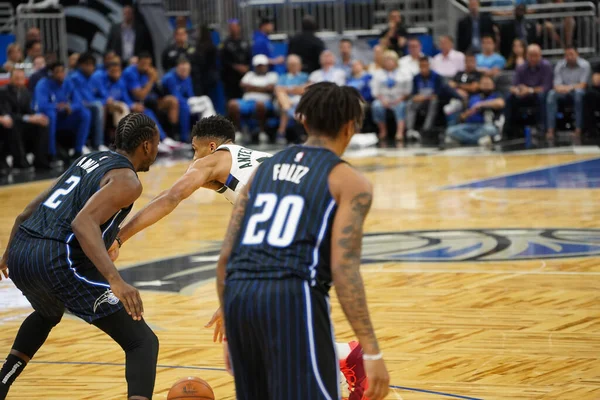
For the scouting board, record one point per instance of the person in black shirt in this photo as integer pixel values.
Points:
(205, 74)
(22, 129)
(306, 45)
(521, 28)
(591, 104)
(466, 82)
(235, 58)
(472, 28)
(181, 47)
(395, 36)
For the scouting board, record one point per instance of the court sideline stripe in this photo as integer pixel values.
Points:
(455, 396)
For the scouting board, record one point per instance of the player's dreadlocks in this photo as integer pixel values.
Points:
(325, 107)
(132, 130)
(216, 127)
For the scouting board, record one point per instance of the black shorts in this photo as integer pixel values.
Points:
(280, 340)
(54, 276)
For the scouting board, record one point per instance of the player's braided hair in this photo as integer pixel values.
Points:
(132, 130)
(325, 107)
(216, 127)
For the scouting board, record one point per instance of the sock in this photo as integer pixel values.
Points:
(342, 350)
(11, 369)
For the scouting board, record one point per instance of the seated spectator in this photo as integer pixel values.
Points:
(58, 100)
(328, 71)
(32, 50)
(394, 37)
(509, 3)
(591, 99)
(99, 74)
(426, 91)
(391, 87)
(24, 130)
(519, 28)
(178, 83)
(140, 80)
(261, 44)
(307, 45)
(410, 62)
(14, 55)
(181, 47)
(288, 91)
(39, 63)
(448, 62)
(360, 79)
(128, 37)
(472, 28)
(44, 72)
(81, 79)
(73, 59)
(33, 34)
(466, 83)
(112, 92)
(377, 63)
(475, 127)
(571, 76)
(346, 61)
(258, 86)
(531, 83)
(517, 56)
(489, 62)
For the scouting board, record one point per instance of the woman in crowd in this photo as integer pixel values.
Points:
(390, 87)
(14, 55)
(360, 80)
(517, 56)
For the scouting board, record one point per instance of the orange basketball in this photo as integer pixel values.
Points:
(191, 388)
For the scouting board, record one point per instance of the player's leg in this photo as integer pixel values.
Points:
(245, 352)
(140, 345)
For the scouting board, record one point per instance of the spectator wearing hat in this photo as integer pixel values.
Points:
(258, 87)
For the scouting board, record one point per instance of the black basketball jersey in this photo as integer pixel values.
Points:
(52, 219)
(287, 225)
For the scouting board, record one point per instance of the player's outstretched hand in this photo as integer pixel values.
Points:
(113, 252)
(217, 322)
(4, 266)
(130, 297)
(378, 378)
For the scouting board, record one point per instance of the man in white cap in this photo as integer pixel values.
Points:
(258, 87)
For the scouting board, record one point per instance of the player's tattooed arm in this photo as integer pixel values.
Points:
(347, 235)
(233, 231)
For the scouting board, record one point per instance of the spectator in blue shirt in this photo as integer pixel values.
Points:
(262, 44)
(426, 91)
(489, 62)
(81, 79)
(478, 120)
(60, 102)
(100, 72)
(115, 95)
(288, 91)
(140, 80)
(346, 60)
(177, 82)
(360, 79)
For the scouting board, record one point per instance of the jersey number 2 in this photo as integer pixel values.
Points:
(53, 201)
(284, 215)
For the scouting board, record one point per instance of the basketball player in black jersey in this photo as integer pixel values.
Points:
(296, 229)
(57, 255)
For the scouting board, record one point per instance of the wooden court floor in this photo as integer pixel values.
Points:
(477, 319)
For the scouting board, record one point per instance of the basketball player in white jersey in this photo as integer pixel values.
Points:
(225, 167)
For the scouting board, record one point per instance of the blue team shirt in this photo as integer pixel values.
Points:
(363, 85)
(134, 79)
(478, 98)
(493, 61)
(262, 45)
(48, 93)
(180, 88)
(433, 84)
(83, 86)
(116, 90)
(289, 80)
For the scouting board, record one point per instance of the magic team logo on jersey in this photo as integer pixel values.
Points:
(107, 297)
(464, 245)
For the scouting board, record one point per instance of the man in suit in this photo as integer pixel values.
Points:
(519, 28)
(129, 37)
(472, 28)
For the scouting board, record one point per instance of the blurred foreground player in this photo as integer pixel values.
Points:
(296, 228)
(221, 165)
(57, 255)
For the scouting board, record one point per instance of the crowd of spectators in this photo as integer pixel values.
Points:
(48, 107)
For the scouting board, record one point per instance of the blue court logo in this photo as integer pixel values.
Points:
(462, 245)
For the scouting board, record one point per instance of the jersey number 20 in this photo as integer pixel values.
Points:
(53, 201)
(284, 215)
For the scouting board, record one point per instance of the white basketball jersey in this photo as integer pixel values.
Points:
(243, 163)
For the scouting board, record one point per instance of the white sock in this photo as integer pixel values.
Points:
(343, 350)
